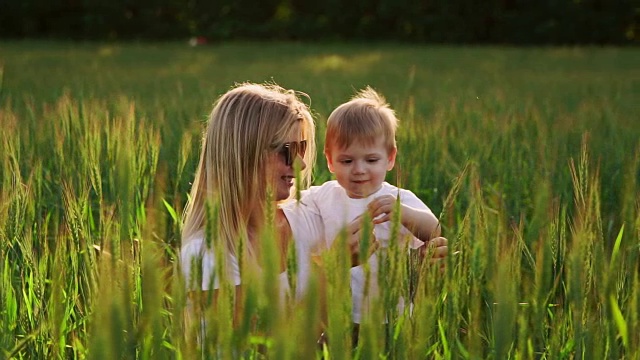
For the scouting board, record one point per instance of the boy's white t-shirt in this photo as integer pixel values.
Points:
(336, 209)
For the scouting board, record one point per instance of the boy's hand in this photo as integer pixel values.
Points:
(354, 234)
(381, 208)
(436, 250)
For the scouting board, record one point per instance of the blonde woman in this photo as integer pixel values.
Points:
(255, 136)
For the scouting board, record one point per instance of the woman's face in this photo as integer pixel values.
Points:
(282, 175)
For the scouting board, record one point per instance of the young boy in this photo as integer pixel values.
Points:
(360, 148)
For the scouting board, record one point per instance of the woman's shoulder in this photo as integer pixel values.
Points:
(195, 252)
(192, 246)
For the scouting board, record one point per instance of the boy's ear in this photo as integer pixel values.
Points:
(329, 162)
(392, 158)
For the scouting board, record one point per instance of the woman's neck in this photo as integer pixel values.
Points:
(256, 225)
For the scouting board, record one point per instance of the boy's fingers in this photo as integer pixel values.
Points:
(354, 226)
(438, 241)
(356, 220)
(354, 247)
(355, 260)
(382, 219)
(354, 237)
(355, 251)
(440, 252)
(437, 248)
(375, 245)
(375, 205)
(373, 211)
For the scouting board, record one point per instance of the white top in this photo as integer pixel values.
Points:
(330, 204)
(195, 247)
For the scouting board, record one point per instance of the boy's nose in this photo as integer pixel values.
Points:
(358, 168)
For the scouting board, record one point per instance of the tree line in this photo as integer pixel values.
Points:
(434, 21)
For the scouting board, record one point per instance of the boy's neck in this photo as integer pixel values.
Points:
(366, 196)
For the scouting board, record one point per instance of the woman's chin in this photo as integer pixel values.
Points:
(283, 194)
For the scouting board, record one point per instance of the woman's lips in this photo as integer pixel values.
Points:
(288, 180)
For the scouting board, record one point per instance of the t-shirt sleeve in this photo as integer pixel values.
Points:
(305, 221)
(198, 266)
(408, 198)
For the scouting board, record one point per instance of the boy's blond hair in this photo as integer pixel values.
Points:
(365, 118)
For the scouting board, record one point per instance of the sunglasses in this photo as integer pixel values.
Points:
(290, 150)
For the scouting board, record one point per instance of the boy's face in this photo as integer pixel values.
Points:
(360, 169)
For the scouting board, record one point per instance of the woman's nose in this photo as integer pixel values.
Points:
(300, 162)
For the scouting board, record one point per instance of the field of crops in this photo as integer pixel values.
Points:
(531, 157)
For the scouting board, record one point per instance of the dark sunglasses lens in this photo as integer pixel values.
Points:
(291, 150)
(303, 148)
(291, 154)
(286, 153)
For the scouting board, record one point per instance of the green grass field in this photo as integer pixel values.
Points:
(530, 155)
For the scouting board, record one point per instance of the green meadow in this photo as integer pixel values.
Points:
(530, 156)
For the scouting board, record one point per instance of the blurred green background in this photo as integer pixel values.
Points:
(531, 156)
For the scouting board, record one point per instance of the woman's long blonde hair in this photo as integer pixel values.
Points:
(246, 125)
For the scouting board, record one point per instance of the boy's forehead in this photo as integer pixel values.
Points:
(362, 141)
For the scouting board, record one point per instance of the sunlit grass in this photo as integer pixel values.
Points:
(531, 157)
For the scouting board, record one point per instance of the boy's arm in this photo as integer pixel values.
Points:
(420, 222)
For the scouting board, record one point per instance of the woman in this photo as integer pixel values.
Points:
(255, 136)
